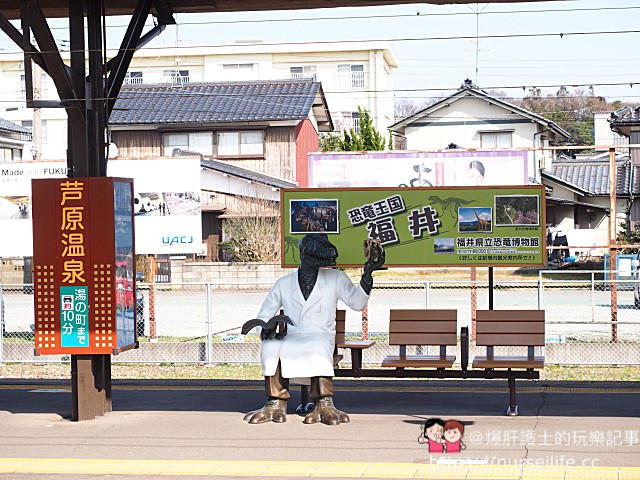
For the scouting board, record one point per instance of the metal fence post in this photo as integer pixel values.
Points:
(209, 348)
(1, 325)
(593, 297)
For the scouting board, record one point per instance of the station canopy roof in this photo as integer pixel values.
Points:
(59, 8)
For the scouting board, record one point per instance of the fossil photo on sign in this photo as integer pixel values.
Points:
(517, 210)
(314, 215)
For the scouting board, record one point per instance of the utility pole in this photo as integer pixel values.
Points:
(36, 125)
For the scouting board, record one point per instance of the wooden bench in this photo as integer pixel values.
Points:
(424, 328)
(431, 327)
(510, 328)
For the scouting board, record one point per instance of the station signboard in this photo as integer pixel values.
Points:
(439, 226)
(83, 265)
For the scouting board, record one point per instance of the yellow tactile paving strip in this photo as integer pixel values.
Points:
(154, 468)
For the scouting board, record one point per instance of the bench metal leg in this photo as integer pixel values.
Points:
(512, 411)
(305, 404)
(356, 359)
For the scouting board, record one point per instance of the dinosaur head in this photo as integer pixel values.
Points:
(317, 251)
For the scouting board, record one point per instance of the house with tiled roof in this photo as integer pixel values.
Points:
(15, 142)
(626, 122)
(578, 202)
(472, 118)
(253, 137)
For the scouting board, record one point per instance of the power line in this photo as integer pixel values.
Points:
(132, 93)
(418, 14)
(404, 39)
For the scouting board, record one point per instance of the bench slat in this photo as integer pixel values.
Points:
(509, 339)
(510, 315)
(361, 344)
(423, 339)
(512, 327)
(424, 361)
(508, 362)
(421, 315)
(403, 326)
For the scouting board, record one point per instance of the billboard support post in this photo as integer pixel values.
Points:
(474, 300)
(613, 229)
(490, 288)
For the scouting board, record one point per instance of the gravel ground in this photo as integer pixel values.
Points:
(252, 372)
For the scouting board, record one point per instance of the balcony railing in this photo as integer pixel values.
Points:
(351, 80)
(133, 80)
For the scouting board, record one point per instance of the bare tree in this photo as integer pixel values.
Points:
(254, 236)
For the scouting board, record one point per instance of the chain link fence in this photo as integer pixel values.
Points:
(200, 322)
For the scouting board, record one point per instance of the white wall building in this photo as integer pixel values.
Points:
(352, 75)
(473, 119)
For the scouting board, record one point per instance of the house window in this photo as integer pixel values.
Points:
(495, 139)
(306, 71)
(8, 154)
(176, 77)
(245, 143)
(44, 137)
(197, 142)
(355, 120)
(239, 71)
(134, 78)
(351, 76)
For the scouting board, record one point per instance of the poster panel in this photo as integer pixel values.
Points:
(454, 226)
(418, 169)
(83, 265)
(124, 263)
(166, 203)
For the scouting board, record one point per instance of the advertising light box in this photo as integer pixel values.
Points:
(454, 226)
(84, 269)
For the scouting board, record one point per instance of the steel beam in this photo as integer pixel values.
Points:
(127, 49)
(14, 34)
(54, 65)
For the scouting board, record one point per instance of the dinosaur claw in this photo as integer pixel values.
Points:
(274, 410)
(325, 412)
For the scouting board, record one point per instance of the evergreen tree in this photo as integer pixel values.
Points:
(367, 138)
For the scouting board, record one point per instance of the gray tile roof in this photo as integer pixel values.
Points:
(626, 115)
(7, 126)
(217, 102)
(469, 89)
(247, 174)
(592, 177)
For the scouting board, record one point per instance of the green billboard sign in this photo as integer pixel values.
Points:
(442, 226)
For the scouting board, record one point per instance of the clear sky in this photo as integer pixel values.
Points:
(433, 58)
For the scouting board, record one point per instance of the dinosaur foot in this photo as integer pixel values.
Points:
(274, 410)
(326, 413)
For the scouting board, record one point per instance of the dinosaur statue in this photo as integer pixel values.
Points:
(309, 298)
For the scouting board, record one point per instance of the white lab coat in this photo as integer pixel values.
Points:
(307, 349)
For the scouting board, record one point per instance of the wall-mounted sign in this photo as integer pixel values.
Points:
(419, 169)
(456, 226)
(166, 203)
(83, 262)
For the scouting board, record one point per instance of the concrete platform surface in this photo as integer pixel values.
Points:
(184, 429)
